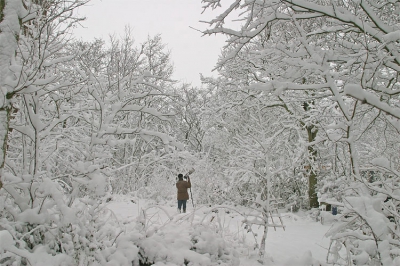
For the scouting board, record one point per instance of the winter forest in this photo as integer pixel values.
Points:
(301, 124)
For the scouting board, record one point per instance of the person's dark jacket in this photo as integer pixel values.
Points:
(182, 187)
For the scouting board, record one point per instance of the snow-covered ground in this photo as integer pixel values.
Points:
(301, 243)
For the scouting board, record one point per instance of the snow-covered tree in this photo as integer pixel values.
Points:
(73, 110)
(331, 50)
(17, 19)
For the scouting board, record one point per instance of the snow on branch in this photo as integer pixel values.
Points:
(357, 92)
(278, 87)
(220, 19)
(151, 111)
(392, 36)
(166, 139)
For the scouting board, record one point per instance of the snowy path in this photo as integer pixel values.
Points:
(289, 247)
(299, 237)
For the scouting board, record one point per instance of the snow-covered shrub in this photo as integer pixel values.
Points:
(198, 245)
(211, 188)
(369, 230)
(180, 241)
(333, 188)
(53, 233)
(206, 241)
(291, 190)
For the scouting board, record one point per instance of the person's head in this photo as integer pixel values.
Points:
(180, 177)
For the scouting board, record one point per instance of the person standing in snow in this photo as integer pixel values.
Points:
(182, 195)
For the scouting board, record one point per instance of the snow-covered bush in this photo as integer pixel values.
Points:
(183, 245)
(182, 241)
(368, 232)
(54, 233)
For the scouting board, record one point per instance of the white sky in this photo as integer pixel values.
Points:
(190, 52)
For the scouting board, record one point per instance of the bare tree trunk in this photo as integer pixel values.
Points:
(312, 177)
(312, 194)
(264, 237)
(265, 213)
